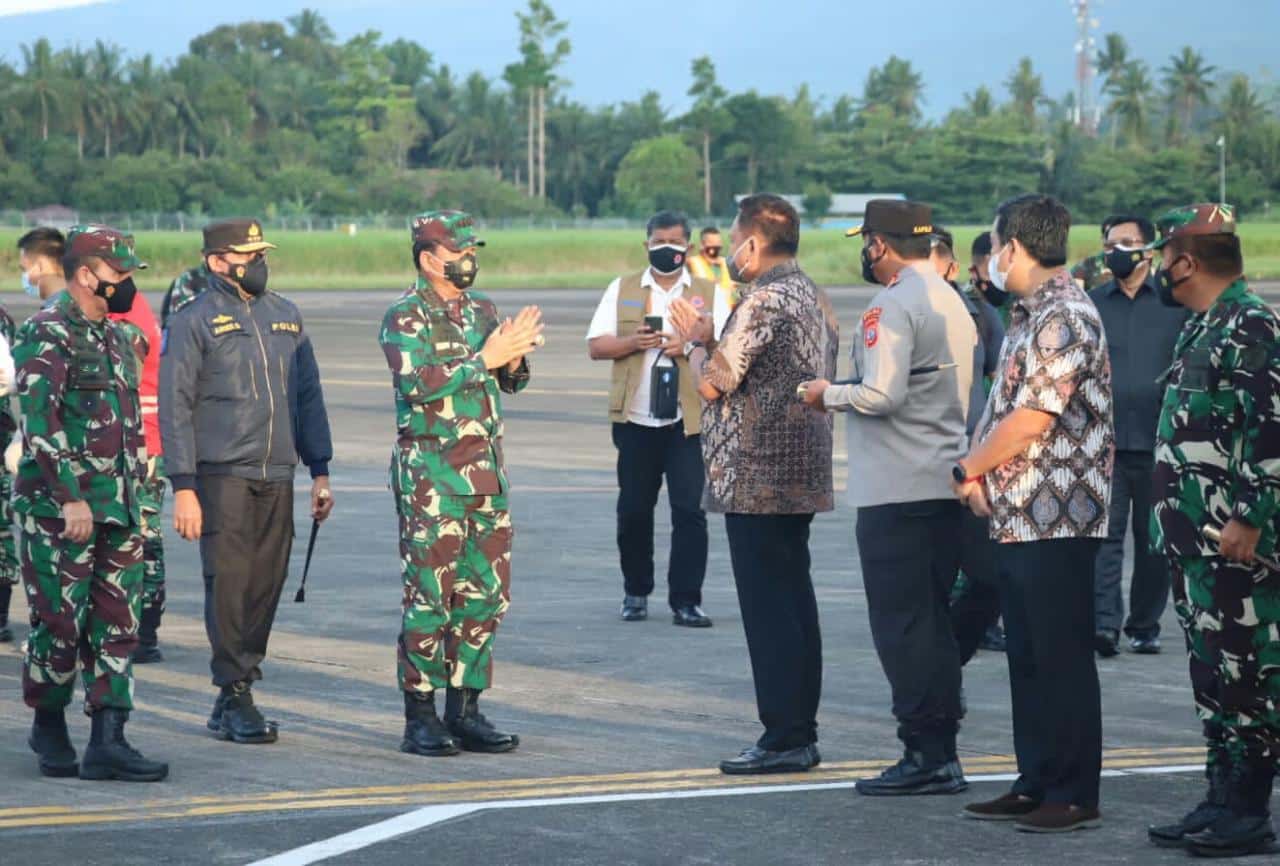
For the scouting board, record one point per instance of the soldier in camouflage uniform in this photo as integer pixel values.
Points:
(183, 290)
(450, 356)
(1218, 474)
(8, 427)
(77, 495)
(1093, 272)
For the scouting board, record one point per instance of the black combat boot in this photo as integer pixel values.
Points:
(241, 722)
(472, 730)
(424, 733)
(1246, 826)
(148, 651)
(51, 742)
(109, 755)
(1214, 805)
(6, 591)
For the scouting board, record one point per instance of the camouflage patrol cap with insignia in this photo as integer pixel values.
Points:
(1193, 220)
(452, 228)
(889, 216)
(235, 236)
(111, 245)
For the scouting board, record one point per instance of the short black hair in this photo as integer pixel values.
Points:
(709, 230)
(43, 241)
(667, 219)
(1040, 223)
(420, 247)
(774, 218)
(71, 264)
(909, 247)
(981, 245)
(1220, 255)
(943, 240)
(1145, 227)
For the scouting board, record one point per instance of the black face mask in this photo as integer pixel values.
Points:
(869, 265)
(1165, 284)
(993, 296)
(712, 252)
(251, 277)
(119, 296)
(462, 272)
(1122, 263)
(666, 259)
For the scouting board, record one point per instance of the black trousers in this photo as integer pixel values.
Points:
(1149, 589)
(910, 554)
(978, 607)
(244, 553)
(770, 554)
(645, 456)
(1047, 600)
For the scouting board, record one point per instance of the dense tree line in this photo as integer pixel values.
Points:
(281, 118)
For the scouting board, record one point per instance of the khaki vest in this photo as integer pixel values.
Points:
(633, 306)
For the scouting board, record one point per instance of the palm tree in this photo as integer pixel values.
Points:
(707, 117)
(980, 103)
(1242, 108)
(106, 65)
(146, 105)
(895, 86)
(1113, 58)
(1130, 91)
(81, 92)
(1026, 89)
(467, 143)
(40, 84)
(1187, 82)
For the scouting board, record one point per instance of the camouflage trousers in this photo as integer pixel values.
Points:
(1231, 616)
(152, 506)
(455, 558)
(84, 601)
(10, 570)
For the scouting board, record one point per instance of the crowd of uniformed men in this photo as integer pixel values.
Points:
(1005, 433)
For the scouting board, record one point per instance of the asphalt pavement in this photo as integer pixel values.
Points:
(622, 725)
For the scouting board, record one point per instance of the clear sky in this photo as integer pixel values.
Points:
(622, 48)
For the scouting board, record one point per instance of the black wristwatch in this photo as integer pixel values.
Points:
(959, 475)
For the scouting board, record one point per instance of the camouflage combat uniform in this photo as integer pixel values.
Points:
(450, 487)
(9, 570)
(1217, 459)
(78, 389)
(183, 290)
(1093, 272)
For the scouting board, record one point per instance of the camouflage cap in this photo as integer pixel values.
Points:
(1194, 219)
(235, 235)
(111, 245)
(453, 228)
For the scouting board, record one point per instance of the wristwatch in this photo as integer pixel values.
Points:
(691, 345)
(959, 476)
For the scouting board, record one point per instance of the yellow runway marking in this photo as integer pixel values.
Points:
(497, 790)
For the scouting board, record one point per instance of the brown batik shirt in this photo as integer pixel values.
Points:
(1054, 360)
(765, 451)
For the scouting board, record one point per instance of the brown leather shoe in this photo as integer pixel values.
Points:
(1006, 808)
(1059, 818)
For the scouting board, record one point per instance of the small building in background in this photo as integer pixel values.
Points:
(55, 216)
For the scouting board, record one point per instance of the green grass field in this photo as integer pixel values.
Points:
(539, 258)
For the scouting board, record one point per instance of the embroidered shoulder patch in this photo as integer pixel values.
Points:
(287, 327)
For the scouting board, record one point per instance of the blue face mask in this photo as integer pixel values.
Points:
(29, 287)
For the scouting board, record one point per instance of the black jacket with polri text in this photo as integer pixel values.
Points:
(240, 390)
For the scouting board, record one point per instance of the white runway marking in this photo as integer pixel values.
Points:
(420, 819)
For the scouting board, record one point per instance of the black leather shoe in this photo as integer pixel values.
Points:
(241, 721)
(109, 755)
(424, 733)
(913, 775)
(1234, 835)
(52, 744)
(992, 639)
(147, 654)
(758, 761)
(1145, 646)
(1106, 643)
(635, 608)
(471, 729)
(148, 651)
(690, 615)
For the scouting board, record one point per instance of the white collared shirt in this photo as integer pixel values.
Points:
(605, 324)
